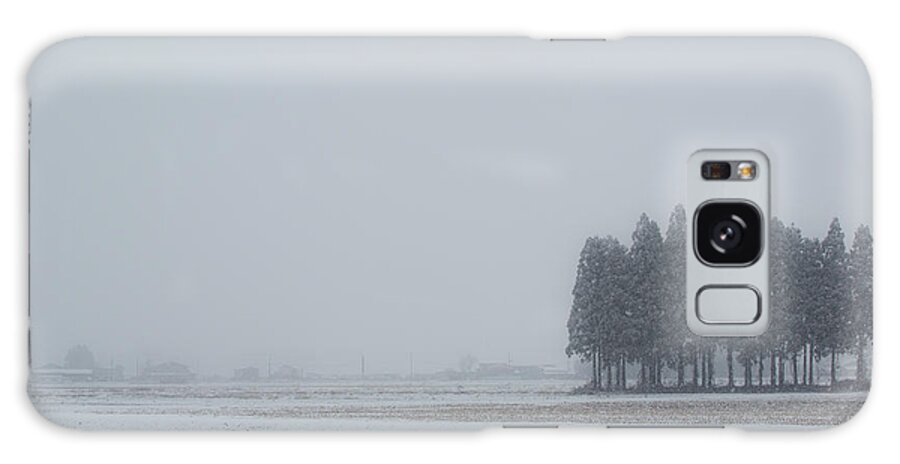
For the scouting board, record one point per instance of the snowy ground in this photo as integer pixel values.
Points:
(409, 405)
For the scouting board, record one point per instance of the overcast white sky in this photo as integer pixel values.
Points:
(206, 211)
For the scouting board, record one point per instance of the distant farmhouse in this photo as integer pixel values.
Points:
(246, 374)
(54, 373)
(167, 372)
(285, 372)
(78, 366)
(505, 370)
(108, 374)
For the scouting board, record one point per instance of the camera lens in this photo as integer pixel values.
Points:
(728, 233)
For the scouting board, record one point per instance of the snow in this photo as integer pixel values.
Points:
(418, 405)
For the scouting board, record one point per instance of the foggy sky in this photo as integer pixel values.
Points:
(387, 203)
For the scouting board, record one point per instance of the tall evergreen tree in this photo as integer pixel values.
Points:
(793, 315)
(860, 271)
(583, 323)
(835, 298)
(614, 301)
(784, 318)
(748, 356)
(79, 357)
(679, 341)
(629, 308)
(597, 303)
(809, 304)
(645, 298)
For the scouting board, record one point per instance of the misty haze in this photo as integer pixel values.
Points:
(217, 245)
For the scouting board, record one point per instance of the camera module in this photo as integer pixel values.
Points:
(728, 233)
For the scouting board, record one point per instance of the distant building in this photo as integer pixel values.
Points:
(555, 372)
(53, 373)
(528, 372)
(285, 372)
(449, 374)
(246, 374)
(513, 371)
(487, 370)
(108, 374)
(167, 372)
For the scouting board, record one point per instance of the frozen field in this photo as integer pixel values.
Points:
(409, 405)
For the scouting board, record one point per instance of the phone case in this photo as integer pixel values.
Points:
(436, 233)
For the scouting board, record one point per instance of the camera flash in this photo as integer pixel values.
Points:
(746, 170)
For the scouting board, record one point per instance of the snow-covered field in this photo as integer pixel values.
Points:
(411, 405)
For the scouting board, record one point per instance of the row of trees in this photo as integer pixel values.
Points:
(628, 311)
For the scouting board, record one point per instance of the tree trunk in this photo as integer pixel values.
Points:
(805, 369)
(599, 371)
(680, 366)
(659, 378)
(773, 368)
(618, 373)
(703, 368)
(833, 366)
(860, 361)
(710, 383)
(781, 369)
(794, 368)
(760, 369)
(696, 369)
(730, 359)
(748, 373)
(642, 378)
(812, 363)
(656, 363)
(594, 370)
(609, 375)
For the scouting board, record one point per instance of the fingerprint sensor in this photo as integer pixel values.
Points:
(728, 304)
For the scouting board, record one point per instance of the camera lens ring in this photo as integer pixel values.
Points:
(728, 233)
